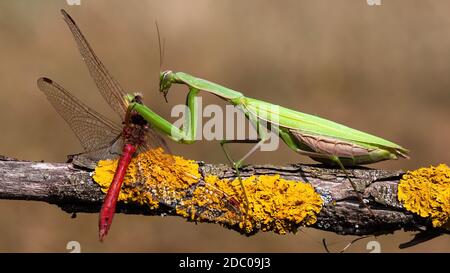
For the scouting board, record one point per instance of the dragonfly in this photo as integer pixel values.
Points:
(103, 139)
(100, 137)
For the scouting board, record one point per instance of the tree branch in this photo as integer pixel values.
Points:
(72, 188)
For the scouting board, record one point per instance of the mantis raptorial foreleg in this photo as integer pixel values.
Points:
(187, 133)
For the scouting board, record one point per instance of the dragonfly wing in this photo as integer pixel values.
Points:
(89, 159)
(107, 85)
(110, 89)
(154, 140)
(92, 129)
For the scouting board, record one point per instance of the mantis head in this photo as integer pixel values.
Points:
(166, 79)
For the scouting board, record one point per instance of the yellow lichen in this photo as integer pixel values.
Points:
(426, 192)
(147, 176)
(275, 204)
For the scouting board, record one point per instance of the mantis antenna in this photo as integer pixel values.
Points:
(161, 51)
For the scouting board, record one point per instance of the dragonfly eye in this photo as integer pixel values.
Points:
(138, 98)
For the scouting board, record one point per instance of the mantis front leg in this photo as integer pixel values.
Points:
(187, 133)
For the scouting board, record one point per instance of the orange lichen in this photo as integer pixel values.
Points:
(148, 175)
(426, 192)
(274, 203)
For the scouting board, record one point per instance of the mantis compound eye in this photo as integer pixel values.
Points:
(165, 83)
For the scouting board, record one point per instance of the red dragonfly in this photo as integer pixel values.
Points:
(100, 137)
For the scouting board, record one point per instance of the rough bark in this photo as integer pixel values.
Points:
(72, 188)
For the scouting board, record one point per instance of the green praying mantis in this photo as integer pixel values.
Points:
(322, 140)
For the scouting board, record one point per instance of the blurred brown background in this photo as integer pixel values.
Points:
(384, 70)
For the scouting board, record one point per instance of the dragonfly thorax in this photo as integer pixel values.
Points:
(138, 120)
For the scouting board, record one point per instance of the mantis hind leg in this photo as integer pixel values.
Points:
(360, 197)
(338, 162)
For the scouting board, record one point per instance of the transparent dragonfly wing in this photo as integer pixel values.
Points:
(94, 131)
(110, 89)
(89, 159)
(153, 140)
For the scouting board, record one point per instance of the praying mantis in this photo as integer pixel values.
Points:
(322, 140)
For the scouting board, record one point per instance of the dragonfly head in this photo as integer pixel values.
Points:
(134, 98)
(165, 82)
